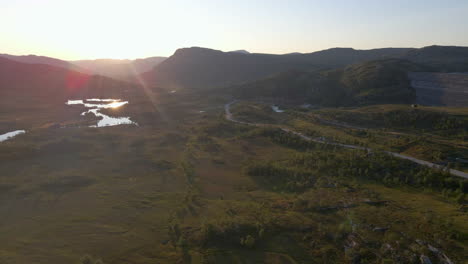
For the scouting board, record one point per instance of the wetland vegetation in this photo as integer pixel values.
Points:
(275, 170)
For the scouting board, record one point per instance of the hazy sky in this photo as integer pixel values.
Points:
(87, 29)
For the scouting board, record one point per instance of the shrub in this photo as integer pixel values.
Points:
(248, 241)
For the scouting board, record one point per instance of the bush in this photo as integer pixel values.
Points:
(248, 241)
(87, 259)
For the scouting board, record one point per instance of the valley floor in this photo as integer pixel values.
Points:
(189, 186)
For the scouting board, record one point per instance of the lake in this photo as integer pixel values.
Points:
(94, 106)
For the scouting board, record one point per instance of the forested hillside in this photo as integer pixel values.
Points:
(382, 81)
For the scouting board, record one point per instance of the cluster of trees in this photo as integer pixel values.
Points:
(319, 160)
(87, 259)
(230, 233)
(280, 177)
(444, 123)
(377, 82)
(384, 168)
(178, 241)
(288, 140)
(421, 119)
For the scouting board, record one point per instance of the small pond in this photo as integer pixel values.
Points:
(276, 109)
(11, 134)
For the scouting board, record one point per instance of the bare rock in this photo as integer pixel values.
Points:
(425, 259)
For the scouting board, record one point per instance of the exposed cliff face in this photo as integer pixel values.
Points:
(440, 89)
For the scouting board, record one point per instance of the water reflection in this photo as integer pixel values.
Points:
(101, 100)
(99, 104)
(9, 135)
(74, 102)
(276, 109)
(114, 104)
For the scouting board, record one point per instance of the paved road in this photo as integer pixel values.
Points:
(230, 117)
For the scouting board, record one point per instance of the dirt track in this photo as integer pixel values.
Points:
(230, 117)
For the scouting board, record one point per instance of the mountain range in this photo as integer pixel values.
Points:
(441, 58)
(34, 59)
(355, 76)
(51, 83)
(126, 70)
(202, 68)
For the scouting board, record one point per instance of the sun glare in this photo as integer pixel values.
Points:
(116, 104)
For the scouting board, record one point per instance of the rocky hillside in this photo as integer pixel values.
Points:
(440, 89)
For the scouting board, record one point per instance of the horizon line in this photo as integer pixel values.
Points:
(279, 54)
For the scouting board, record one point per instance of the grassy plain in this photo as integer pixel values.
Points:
(179, 188)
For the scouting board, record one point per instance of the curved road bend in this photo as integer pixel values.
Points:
(229, 116)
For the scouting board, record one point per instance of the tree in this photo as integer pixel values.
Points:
(86, 259)
(248, 241)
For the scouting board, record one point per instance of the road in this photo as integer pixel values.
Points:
(230, 117)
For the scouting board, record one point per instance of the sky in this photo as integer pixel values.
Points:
(90, 29)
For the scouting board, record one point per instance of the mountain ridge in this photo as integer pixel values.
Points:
(36, 59)
(202, 67)
(370, 82)
(52, 82)
(127, 70)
